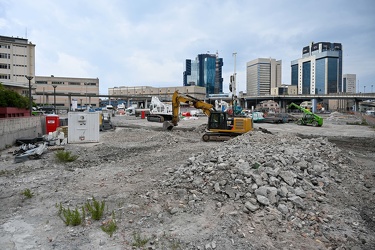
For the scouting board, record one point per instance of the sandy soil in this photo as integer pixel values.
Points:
(129, 170)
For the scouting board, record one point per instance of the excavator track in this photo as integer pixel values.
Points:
(155, 118)
(215, 136)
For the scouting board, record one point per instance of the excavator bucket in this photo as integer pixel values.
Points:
(167, 125)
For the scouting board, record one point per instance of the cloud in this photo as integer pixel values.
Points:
(146, 42)
(65, 65)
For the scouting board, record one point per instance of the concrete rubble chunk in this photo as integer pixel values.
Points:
(283, 209)
(251, 207)
(298, 201)
(288, 177)
(300, 192)
(263, 200)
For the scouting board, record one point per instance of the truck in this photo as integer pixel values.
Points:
(308, 117)
(221, 126)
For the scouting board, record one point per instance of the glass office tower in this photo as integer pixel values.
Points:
(319, 71)
(205, 71)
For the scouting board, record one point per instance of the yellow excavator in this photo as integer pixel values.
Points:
(221, 126)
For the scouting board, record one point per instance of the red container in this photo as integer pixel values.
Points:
(143, 115)
(52, 123)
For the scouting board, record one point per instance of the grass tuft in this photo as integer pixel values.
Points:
(65, 156)
(139, 241)
(110, 226)
(27, 193)
(71, 217)
(96, 209)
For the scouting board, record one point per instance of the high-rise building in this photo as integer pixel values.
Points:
(319, 71)
(349, 83)
(205, 71)
(262, 75)
(17, 60)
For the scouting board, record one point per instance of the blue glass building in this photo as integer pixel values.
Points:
(319, 71)
(205, 71)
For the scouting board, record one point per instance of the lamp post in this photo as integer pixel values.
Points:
(364, 89)
(86, 92)
(54, 96)
(30, 98)
(371, 88)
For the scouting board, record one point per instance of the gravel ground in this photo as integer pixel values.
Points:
(177, 192)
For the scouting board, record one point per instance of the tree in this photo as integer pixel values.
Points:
(10, 98)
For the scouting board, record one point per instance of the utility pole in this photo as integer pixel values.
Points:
(234, 87)
(30, 97)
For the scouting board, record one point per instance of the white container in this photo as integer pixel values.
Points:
(83, 127)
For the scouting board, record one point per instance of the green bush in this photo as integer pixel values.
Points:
(65, 156)
(27, 193)
(10, 98)
(139, 241)
(71, 217)
(96, 209)
(111, 226)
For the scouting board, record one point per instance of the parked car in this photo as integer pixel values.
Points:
(286, 118)
(272, 118)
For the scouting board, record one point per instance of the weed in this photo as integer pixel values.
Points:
(175, 245)
(96, 209)
(139, 241)
(27, 193)
(110, 227)
(4, 172)
(71, 217)
(256, 165)
(65, 156)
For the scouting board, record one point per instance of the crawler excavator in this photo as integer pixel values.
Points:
(221, 126)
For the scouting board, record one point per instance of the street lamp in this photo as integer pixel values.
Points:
(30, 98)
(54, 96)
(371, 88)
(364, 89)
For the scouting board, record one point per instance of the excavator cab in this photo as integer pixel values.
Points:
(222, 126)
(220, 120)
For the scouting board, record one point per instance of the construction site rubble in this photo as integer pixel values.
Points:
(279, 180)
(281, 186)
(343, 119)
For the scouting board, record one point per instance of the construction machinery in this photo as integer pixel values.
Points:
(159, 111)
(308, 117)
(221, 126)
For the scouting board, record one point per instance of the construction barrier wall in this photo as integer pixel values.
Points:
(12, 129)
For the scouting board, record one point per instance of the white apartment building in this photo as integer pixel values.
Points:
(17, 60)
(349, 83)
(66, 90)
(164, 93)
(262, 75)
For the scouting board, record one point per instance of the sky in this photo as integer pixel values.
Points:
(146, 42)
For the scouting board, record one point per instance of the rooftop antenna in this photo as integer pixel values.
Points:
(26, 33)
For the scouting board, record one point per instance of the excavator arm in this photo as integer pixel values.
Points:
(306, 111)
(317, 121)
(178, 98)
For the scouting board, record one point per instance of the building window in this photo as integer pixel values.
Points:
(74, 83)
(41, 82)
(4, 46)
(5, 55)
(4, 76)
(57, 82)
(4, 66)
(90, 83)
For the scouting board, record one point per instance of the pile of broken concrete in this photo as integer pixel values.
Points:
(263, 172)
